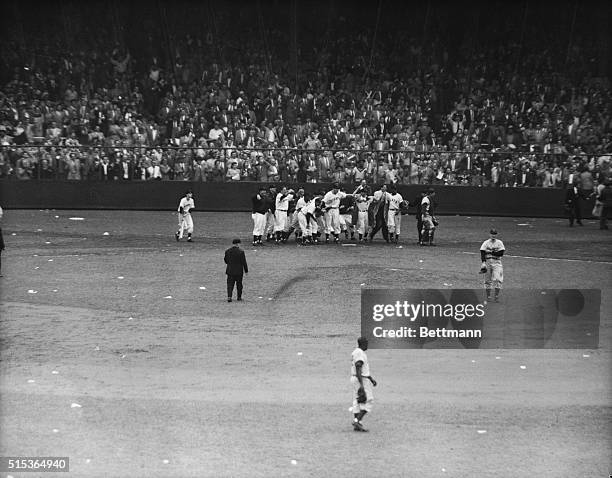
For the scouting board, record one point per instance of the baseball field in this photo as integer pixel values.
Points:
(118, 350)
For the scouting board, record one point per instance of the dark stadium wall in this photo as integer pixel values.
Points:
(157, 195)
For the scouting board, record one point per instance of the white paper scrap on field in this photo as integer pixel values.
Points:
(120, 277)
(106, 234)
(55, 372)
(31, 380)
(76, 218)
(168, 297)
(482, 431)
(202, 288)
(75, 405)
(32, 291)
(523, 367)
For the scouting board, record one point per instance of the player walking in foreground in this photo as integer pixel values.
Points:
(362, 383)
(491, 253)
(184, 217)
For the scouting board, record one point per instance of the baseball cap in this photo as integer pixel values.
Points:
(493, 231)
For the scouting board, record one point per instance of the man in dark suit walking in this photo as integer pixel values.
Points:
(236, 266)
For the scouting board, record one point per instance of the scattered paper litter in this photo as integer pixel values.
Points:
(36, 268)
(523, 367)
(106, 234)
(120, 277)
(180, 255)
(31, 380)
(166, 462)
(497, 358)
(47, 242)
(348, 245)
(38, 230)
(56, 217)
(75, 405)
(54, 372)
(97, 347)
(473, 361)
(76, 218)
(586, 355)
(202, 288)
(269, 298)
(400, 247)
(260, 297)
(168, 297)
(133, 296)
(363, 283)
(14, 234)
(523, 224)
(35, 255)
(294, 462)
(130, 318)
(32, 291)
(122, 355)
(55, 430)
(420, 260)
(394, 269)
(54, 290)
(49, 260)
(443, 469)
(299, 353)
(481, 431)
(88, 460)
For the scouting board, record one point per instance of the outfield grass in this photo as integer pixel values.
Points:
(166, 370)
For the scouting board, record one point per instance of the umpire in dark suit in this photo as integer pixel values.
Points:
(236, 266)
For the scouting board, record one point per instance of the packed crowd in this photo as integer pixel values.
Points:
(203, 105)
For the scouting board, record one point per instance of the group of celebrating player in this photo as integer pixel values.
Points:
(277, 215)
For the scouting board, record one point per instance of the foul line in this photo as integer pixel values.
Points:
(548, 258)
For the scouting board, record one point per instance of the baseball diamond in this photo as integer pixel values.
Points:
(135, 328)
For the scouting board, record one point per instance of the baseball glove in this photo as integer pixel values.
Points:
(483, 268)
(361, 396)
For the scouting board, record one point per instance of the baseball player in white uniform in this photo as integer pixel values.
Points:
(331, 202)
(394, 217)
(363, 204)
(362, 382)
(184, 217)
(280, 212)
(294, 223)
(307, 221)
(491, 253)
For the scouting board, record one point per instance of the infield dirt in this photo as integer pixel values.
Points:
(140, 335)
